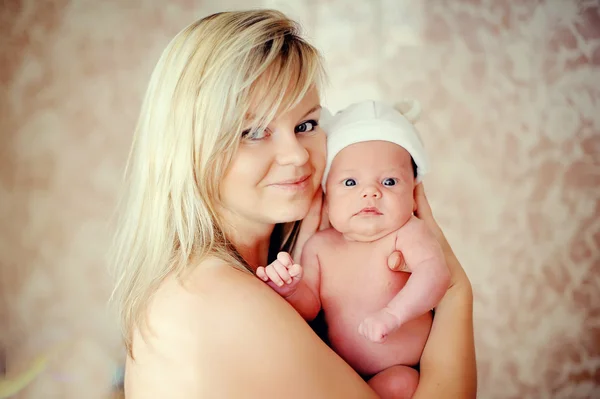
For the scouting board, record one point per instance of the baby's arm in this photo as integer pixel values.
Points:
(430, 276)
(298, 284)
(308, 292)
(425, 287)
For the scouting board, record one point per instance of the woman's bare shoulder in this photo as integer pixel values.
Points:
(208, 292)
(223, 332)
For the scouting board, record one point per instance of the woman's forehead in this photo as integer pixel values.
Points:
(289, 107)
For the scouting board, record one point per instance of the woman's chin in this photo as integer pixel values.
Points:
(290, 213)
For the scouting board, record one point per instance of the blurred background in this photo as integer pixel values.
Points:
(511, 99)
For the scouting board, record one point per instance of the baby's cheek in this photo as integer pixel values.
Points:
(339, 213)
(334, 217)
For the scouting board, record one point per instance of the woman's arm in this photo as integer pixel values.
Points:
(448, 366)
(228, 335)
(448, 362)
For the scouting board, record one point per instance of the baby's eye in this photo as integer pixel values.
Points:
(255, 134)
(349, 182)
(389, 181)
(307, 126)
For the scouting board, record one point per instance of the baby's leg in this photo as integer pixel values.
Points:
(396, 382)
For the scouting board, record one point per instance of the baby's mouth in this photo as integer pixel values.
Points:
(369, 211)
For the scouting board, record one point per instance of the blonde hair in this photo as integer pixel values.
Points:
(205, 83)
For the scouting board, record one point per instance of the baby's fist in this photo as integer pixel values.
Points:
(283, 275)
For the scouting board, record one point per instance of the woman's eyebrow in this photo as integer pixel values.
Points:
(313, 109)
(250, 116)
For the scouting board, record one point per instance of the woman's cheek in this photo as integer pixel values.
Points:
(318, 151)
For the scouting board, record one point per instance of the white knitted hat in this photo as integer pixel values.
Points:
(372, 120)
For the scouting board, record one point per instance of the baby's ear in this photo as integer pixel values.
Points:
(411, 109)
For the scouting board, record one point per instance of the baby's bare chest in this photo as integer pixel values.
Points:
(358, 273)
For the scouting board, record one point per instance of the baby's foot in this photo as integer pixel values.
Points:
(377, 327)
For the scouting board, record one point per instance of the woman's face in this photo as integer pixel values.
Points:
(276, 173)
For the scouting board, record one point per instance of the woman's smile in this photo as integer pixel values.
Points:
(294, 184)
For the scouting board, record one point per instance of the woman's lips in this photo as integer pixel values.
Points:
(294, 184)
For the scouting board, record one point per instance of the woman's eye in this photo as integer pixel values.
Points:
(307, 126)
(349, 182)
(389, 182)
(255, 134)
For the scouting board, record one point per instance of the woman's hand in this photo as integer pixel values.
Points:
(448, 364)
(423, 212)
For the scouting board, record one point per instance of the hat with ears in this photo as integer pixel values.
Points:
(373, 120)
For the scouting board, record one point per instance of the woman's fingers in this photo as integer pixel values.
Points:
(423, 208)
(425, 213)
(396, 262)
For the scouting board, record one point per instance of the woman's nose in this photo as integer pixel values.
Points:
(291, 152)
(371, 192)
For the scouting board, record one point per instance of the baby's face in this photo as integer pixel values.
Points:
(370, 190)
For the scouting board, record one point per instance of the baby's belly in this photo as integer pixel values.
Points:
(403, 347)
(348, 307)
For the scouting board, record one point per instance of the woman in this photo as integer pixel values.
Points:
(227, 150)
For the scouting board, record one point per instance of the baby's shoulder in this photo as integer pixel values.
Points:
(324, 239)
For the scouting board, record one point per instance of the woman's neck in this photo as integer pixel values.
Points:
(252, 243)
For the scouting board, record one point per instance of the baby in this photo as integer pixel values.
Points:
(378, 320)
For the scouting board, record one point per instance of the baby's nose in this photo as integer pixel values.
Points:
(371, 192)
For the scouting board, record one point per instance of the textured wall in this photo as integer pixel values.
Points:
(511, 120)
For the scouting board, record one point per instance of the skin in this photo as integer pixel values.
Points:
(273, 178)
(373, 206)
(345, 272)
(224, 333)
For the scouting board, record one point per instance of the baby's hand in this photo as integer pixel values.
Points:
(378, 326)
(283, 275)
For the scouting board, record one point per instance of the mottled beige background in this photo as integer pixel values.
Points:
(511, 94)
